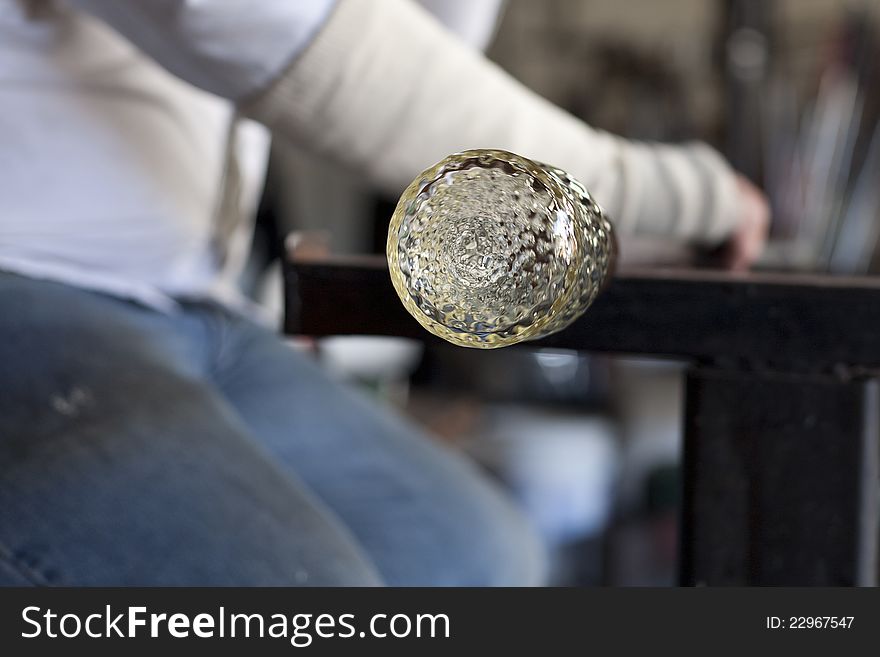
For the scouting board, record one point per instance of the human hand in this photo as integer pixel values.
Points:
(745, 244)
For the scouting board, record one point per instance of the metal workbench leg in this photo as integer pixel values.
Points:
(780, 479)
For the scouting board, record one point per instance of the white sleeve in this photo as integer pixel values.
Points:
(231, 48)
(386, 90)
(381, 86)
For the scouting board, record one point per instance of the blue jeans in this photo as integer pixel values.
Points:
(196, 448)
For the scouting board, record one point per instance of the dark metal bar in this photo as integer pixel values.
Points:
(781, 480)
(758, 321)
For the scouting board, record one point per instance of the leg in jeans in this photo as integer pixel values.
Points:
(137, 448)
(120, 465)
(423, 513)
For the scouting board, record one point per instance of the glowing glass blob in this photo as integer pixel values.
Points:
(488, 248)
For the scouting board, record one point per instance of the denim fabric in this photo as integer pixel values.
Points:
(196, 448)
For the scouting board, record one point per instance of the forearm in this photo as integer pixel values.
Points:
(384, 89)
(387, 91)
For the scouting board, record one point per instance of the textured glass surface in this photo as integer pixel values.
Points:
(487, 249)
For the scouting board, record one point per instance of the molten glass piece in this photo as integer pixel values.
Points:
(487, 249)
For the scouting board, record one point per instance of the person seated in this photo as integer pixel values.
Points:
(151, 431)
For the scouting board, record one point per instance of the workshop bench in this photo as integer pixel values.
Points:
(782, 420)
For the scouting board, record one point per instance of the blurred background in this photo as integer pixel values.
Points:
(787, 89)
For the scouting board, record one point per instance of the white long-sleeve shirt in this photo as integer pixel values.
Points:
(116, 121)
(112, 168)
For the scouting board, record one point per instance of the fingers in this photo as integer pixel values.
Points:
(748, 239)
